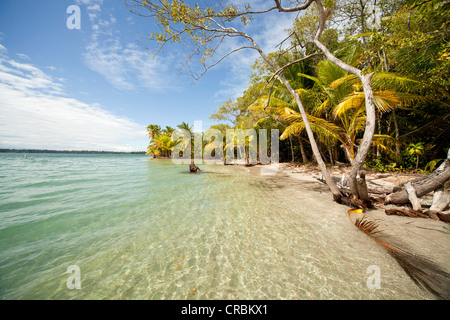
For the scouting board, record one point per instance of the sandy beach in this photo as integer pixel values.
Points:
(424, 237)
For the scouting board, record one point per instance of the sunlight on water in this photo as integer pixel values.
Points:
(145, 229)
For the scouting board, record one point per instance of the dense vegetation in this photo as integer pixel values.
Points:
(408, 51)
(410, 56)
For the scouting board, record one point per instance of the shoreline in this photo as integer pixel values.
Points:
(424, 237)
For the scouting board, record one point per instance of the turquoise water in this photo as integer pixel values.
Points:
(146, 229)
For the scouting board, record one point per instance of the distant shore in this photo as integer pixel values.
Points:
(66, 151)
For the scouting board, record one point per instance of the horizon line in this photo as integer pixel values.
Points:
(4, 150)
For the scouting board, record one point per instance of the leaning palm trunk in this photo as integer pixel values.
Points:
(425, 273)
(369, 102)
(337, 195)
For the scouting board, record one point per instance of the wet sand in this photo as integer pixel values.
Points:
(424, 237)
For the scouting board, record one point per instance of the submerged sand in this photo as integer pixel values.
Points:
(424, 237)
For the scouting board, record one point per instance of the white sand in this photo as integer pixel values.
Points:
(425, 237)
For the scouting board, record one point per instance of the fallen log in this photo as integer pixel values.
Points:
(434, 181)
(406, 213)
(428, 214)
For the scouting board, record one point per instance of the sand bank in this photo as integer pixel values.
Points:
(425, 237)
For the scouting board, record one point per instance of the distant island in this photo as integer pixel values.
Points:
(66, 151)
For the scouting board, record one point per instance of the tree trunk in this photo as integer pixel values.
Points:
(302, 150)
(348, 154)
(434, 181)
(362, 187)
(330, 183)
(369, 131)
(397, 134)
(193, 168)
(378, 119)
(330, 154)
(369, 100)
(292, 148)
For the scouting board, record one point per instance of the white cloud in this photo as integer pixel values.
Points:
(35, 113)
(23, 56)
(124, 66)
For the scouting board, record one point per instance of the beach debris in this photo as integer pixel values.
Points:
(421, 187)
(445, 217)
(193, 168)
(425, 273)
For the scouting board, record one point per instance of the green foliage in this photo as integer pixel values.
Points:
(409, 54)
(432, 164)
(379, 165)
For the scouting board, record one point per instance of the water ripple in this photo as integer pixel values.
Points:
(141, 229)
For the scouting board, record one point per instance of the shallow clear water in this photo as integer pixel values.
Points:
(145, 229)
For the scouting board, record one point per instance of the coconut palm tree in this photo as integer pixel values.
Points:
(153, 130)
(343, 100)
(185, 126)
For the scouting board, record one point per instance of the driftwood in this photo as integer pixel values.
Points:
(441, 199)
(193, 168)
(419, 214)
(432, 182)
(412, 196)
(372, 188)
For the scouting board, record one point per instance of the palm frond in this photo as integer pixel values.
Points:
(385, 100)
(347, 81)
(327, 132)
(327, 72)
(424, 272)
(394, 81)
(352, 101)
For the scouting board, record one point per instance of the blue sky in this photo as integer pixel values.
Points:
(97, 88)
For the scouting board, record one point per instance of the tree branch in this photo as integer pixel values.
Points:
(293, 9)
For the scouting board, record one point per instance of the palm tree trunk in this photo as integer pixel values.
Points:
(326, 175)
(348, 154)
(397, 134)
(330, 154)
(337, 195)
(379, 131)
(292, 148)
(302, 150)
